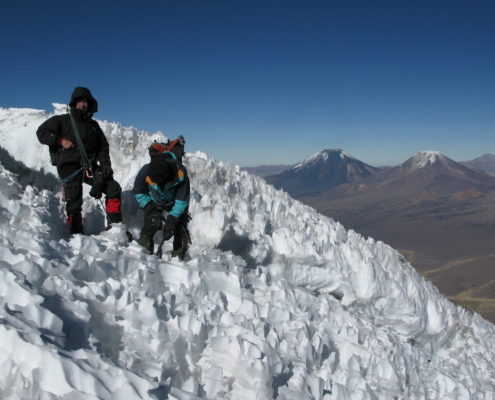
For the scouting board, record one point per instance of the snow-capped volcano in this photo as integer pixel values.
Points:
(273, 300)
(320, 172)
(429, 159)
(428, 156)
(321, 157)
(423, 158)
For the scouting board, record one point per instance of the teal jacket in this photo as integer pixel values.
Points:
(174, 197)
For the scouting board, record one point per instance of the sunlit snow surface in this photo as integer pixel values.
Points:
(272, 301)
(422, 159)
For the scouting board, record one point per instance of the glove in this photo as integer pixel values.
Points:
(169, 228)
(97, 190)
(154, 216)
(106, 172)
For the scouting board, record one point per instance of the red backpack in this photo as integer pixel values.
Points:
(175, 146)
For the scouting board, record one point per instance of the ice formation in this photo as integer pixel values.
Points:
(273, 300)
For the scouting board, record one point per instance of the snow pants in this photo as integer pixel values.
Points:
(73, 193)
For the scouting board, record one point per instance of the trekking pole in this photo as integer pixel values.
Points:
(109, 220)
(106, 213)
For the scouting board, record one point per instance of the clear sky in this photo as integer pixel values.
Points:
(266, 82)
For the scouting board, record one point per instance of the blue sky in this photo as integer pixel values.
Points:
(266, 82)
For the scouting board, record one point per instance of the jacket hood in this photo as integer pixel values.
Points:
(160, 170)
(80, 92)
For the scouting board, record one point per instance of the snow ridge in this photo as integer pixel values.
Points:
(273, 300)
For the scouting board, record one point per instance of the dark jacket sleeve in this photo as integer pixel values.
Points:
(182, 197)
(140, 189)
(184, 190)
(50, 131)
(104, 153)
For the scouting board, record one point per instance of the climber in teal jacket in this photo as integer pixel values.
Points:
(163, 185)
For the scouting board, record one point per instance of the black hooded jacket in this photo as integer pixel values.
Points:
(60, 127)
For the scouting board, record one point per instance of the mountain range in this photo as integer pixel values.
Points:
(427, 177)
(438, 212)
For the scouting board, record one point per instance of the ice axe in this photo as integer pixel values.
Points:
(160, 245)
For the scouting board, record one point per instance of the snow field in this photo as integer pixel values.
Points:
(272, 301)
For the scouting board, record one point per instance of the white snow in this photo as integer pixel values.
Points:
(273, 300)
(424, 158)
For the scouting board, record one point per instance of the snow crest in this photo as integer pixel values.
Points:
(424, 158)
(273, 300)
(321, 157)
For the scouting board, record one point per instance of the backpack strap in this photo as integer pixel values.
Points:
(85, 161)
(174, 160)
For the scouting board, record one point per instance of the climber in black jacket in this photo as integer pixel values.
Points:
(87, 162)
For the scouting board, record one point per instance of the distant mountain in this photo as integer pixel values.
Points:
(484, 163)
(427, 176)
(439, 213)
(321, 172)
(266, 170)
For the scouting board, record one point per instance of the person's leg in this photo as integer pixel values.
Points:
(181, 239)
(149, 230)
(113, 193)
(73, 198)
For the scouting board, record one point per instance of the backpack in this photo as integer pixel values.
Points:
(175, 146)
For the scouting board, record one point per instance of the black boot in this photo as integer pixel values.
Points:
(147, 242)
(181, 252)
(113, 218)
(75, 223)
(184, 244)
